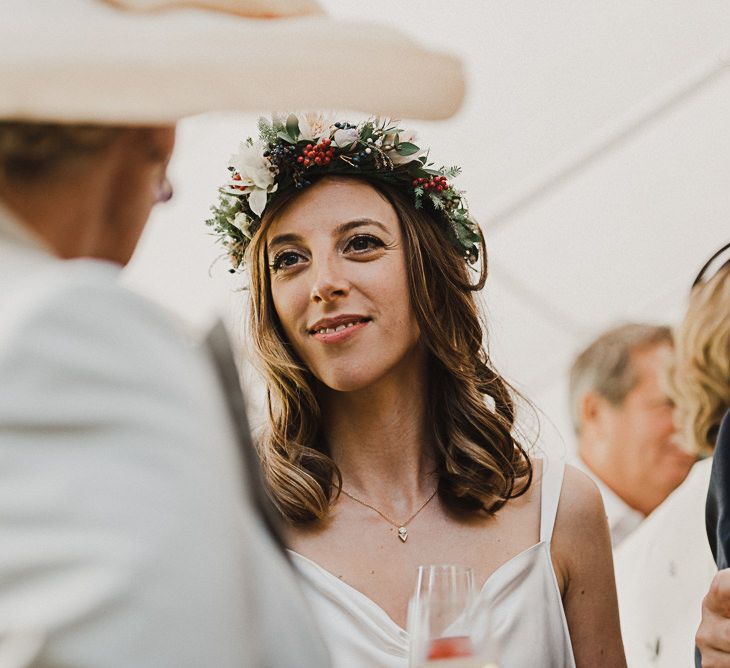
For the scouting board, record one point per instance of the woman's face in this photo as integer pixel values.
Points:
(339, 284)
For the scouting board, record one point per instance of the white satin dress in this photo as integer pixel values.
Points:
(526, 608)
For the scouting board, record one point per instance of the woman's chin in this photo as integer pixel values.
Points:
(347, 380)
(346, 385)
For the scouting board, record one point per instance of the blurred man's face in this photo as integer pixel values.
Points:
(138, 186)
(91, 197)
(640, 433)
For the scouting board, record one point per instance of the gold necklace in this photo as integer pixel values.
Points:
(401, 526)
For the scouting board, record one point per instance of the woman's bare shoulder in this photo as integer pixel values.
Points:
(581, 529)
(578, 495)
(580, 499)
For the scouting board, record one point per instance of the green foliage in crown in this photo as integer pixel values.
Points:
(292, 152)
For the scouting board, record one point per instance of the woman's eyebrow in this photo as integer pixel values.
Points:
(290, 237)
(281, 239)
(358, 222)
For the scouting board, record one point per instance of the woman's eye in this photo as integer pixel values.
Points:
(286, 260)
(363, 242)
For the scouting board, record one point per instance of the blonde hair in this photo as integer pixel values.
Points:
(480, 464)
(700, 380)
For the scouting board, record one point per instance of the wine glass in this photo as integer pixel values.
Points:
(447, 623)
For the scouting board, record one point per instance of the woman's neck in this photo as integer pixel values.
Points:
(379, 436)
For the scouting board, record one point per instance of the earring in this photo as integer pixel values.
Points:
(163, 191)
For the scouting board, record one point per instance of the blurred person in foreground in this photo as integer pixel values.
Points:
(665, 568)
(623, 422)
(133, 529)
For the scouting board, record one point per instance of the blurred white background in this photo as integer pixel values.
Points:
(595, 144)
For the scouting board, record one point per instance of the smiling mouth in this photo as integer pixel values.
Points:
(339, 327)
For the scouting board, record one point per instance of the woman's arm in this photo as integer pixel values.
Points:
(581, 550)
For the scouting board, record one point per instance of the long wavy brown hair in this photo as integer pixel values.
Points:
(700, 381)
(480, 464)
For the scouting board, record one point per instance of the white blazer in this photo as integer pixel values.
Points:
(127, 538)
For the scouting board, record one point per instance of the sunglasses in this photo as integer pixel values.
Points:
(718, 261)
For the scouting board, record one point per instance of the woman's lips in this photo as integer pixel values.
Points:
(339, 333)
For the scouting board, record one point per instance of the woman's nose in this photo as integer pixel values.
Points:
(329, 284)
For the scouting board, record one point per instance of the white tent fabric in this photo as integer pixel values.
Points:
(596, 153)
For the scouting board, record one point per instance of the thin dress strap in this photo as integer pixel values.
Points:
(552, 482)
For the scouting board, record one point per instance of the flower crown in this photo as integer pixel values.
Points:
(291, 153)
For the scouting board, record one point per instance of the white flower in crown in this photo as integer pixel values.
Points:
(344, 138)
(405, 136)
(256, 178)
(313, 125)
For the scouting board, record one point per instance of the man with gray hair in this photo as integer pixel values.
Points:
(623, 421)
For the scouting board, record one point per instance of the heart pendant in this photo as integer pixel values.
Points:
(403, 533)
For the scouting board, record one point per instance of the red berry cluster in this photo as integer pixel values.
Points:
(437, 183)
(319, 155)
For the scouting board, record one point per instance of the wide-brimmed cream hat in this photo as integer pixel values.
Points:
(155, 61)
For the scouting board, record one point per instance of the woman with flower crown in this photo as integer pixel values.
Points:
(391, 439)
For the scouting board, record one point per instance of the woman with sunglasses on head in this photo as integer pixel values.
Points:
(714, 632)
(665, 569)
(392, 440)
